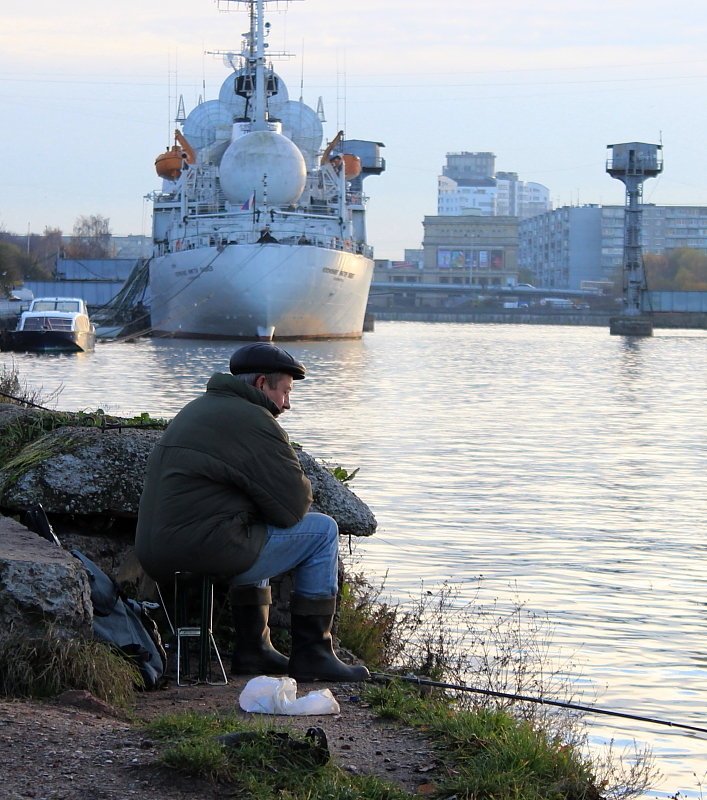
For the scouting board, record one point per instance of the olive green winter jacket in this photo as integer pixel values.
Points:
(221, 472)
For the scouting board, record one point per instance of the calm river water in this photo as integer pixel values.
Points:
(564, 465)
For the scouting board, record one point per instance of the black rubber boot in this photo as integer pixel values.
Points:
(312, 656)
(253, 653)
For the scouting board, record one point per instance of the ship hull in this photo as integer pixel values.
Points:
(260, 291)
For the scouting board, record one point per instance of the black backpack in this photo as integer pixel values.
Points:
(124, 622)
(117, 618)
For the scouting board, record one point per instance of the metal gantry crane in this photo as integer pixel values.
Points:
(632, 163)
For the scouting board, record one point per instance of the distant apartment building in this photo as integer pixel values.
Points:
(470, 250)
(473, 241)
(478, 251)
(564, 247)
(470, 185)
(571, 245)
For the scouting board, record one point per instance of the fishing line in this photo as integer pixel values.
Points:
(381, 677)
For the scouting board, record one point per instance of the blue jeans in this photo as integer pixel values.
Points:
(311, 548)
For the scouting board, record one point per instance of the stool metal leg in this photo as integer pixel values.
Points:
(207, 602)
(207, 643)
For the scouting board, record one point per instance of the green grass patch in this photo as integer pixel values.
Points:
(366, 626)
(264, 765)
(203, 758)
(488, 754)
(34, 452)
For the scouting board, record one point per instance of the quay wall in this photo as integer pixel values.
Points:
(697, 320)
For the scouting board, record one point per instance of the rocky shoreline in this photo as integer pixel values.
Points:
(86, 471)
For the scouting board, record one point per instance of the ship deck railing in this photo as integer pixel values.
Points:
(224, 239)
(221, 210)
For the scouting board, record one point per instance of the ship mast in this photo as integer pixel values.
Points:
(257, 58)
(255, 82)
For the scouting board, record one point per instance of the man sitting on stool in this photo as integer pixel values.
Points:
(225, 495)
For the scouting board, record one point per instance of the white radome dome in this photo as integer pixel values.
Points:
(263, 161)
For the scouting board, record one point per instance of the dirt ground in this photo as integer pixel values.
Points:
(77, 748)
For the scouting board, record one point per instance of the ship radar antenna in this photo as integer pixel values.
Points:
(230, 60)
(181, 114)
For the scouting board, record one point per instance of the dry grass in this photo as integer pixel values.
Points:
(49, 666)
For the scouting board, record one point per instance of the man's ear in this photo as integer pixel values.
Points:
(260, 382)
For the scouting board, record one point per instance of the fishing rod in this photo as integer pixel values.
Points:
(382, 677)
(103, 426)
(24, 401)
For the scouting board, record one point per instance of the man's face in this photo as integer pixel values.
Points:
(280, 395)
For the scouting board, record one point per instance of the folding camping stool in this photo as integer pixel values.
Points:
(208, 652)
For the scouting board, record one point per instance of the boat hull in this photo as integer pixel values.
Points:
(260, 291)
(49, 341)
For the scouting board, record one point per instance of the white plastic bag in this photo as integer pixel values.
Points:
(265, 695)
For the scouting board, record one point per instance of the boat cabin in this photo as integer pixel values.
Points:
(55, 314)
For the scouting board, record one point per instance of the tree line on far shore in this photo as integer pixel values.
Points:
(33, 256)
(683, 269)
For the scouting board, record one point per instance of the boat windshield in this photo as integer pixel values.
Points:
(72, 306)
(47, 324)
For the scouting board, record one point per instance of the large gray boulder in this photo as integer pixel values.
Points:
(90, 472)
(84, 471)
(42, 587)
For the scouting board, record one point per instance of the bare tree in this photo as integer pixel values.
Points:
(91, 238)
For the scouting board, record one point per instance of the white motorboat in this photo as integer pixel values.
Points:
(53, 324)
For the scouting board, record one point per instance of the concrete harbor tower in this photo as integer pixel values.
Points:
(632, 163)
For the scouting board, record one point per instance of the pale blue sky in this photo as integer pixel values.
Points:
(88, 92)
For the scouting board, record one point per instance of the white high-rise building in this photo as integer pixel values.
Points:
(470, 185)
